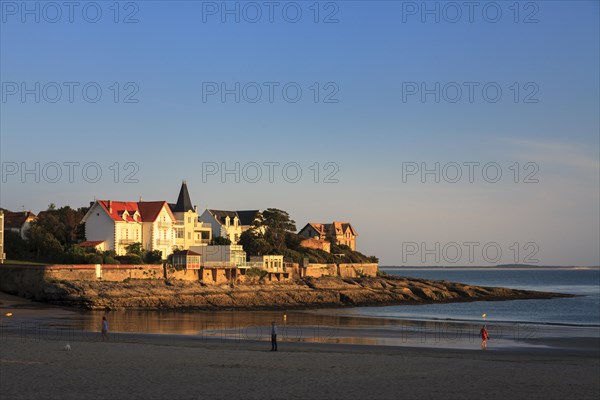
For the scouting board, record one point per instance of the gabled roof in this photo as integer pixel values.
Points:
(184, 203)
(220, 215)
(336, 228)
(16, 220)
(246, 217)
(320, 228)
(340, 227)
(148, 210)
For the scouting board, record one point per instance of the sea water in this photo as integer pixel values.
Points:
(582, 310)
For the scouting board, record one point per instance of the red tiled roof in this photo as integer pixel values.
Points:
(148, 210)
(337, 228)
(341, 227)
(187, 253)
(318, 227)
(15, 220)
(92, 243)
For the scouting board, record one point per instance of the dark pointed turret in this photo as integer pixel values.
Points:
(184, 204)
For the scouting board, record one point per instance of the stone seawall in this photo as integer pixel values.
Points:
(305, 292)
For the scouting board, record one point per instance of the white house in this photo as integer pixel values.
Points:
(120, 223)
(229, 224)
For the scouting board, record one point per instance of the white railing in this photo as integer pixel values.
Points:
(217, 264)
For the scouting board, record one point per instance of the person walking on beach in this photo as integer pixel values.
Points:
(104, 329)
(273, 337)
(484, 337)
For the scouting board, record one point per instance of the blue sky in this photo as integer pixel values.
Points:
(366, 61)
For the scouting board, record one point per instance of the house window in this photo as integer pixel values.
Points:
(189, 220)
(189, 235)
(179, 233)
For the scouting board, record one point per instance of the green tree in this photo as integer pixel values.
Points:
(44, 244)
(220, 241)
(153, 257)
(254, 243)
(15, 246)
(135, 249)
(279, 220)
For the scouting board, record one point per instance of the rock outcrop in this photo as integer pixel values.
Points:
(305, 293)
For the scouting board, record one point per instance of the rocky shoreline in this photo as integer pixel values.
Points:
(304, 293)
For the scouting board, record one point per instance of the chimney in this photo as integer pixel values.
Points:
(140, 199)
(196, 209)
(110, 206)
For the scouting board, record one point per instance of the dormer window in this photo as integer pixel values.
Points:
(124, 215)
(236, 221)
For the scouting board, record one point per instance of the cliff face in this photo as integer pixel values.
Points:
(306, 293)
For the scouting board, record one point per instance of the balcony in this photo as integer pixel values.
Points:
(164, 225)
(126, 241)
(164, 242)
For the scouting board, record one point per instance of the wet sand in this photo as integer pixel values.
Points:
(221, 363)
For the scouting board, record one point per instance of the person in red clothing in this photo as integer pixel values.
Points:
(484, 337)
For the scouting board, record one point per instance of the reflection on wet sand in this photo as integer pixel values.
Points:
(299, 326)
(34, 321)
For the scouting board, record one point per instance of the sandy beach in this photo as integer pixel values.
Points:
(34, 365)
(176, 368)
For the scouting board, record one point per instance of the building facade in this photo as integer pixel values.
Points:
(120, 224)
(187, 259)
(189, 230)
(230, 224)
(337, 232)
(232, 254)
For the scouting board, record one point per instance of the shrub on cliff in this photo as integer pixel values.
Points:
(130, 259)
(153, 257)
(109, 260)
(256, 272)
(92, 258)
(79, 255)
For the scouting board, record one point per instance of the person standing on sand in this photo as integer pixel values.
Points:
(273, 337)
(484, 337)
(104, 329)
